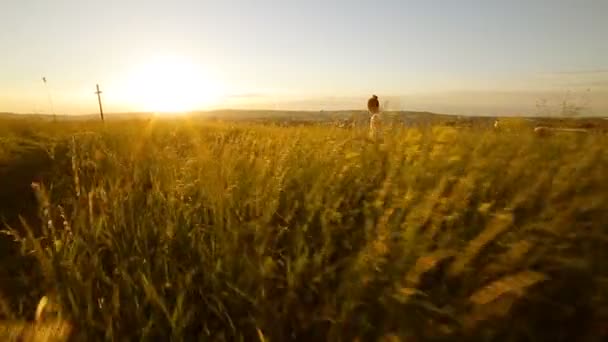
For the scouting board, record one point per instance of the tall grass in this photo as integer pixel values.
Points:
(179, 230)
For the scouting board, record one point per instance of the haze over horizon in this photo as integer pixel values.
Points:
(469, 57)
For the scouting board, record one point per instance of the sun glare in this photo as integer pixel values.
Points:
(171, 85)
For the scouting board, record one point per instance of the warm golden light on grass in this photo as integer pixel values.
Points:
(171, 85)
(448, 230)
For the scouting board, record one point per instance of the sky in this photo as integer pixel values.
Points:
(466, 57)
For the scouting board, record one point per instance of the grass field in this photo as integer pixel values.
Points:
(185, 230)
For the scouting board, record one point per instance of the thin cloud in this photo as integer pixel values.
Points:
(579, 72)
(245, 95)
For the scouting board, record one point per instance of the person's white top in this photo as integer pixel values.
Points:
(375, 125)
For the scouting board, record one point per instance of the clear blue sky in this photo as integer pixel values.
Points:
(308, 54)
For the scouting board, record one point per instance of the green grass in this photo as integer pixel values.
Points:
(181, 230)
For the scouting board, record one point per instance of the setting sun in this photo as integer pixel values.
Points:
(171, 85)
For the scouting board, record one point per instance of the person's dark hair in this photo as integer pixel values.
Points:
(373, 105)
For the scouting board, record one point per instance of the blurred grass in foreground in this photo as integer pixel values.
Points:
(182, 230)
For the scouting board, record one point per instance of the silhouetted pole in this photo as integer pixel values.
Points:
(98, 92)
(48, 93)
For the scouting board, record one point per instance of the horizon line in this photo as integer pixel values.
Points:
(181, 114)
(216, 110)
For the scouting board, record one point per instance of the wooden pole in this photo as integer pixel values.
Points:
(48, 93)
(98, 92)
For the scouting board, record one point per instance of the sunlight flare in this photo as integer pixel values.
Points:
(172, 85)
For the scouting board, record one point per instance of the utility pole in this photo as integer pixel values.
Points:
(98, 92)
(48, 93)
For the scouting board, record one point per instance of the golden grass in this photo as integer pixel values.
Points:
(188, 230)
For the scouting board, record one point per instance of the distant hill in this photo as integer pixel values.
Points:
(354, 115)
(85, 117)
(283, 116)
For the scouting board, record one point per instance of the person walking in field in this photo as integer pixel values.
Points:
(375, 127)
